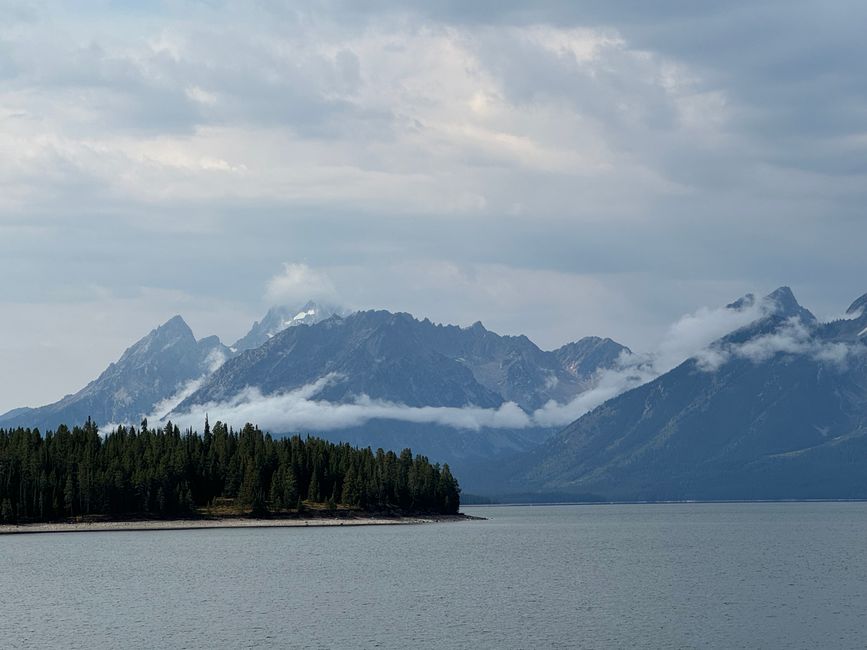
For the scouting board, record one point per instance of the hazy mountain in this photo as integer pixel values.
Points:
(282, 317)
(153, 370)
(397, 358)
(777, 409)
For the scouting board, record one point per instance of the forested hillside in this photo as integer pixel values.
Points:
(163, 473)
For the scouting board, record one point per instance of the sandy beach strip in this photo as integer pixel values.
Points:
(240, 522)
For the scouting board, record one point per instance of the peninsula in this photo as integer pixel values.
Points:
(146, 478)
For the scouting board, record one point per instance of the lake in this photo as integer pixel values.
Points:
(768, 575)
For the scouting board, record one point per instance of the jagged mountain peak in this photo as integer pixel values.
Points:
(783, 299)
(174, 328)
(786, 305)
(148, 373)
(173, 333)
(774, 309)
(175, 322)
(281, 317)
(779, 305)
(783, 293)
(590, 353)
(589, 341)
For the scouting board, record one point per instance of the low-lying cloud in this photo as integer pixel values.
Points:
(792, 337)
(297, 410)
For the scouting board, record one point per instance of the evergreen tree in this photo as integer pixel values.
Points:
(313, 491)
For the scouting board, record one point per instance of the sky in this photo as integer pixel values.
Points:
(569, 169)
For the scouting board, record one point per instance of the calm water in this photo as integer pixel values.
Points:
(680, 576)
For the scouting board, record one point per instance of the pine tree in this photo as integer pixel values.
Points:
(276, 500)
(448, 492)
(289, 487)
(313, 491)
(69, 495)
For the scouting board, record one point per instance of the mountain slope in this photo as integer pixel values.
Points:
(782, 414)
(149, 372)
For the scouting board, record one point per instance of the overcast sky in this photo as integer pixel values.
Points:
(575, 168)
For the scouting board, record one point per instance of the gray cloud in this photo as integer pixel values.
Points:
(605, 165)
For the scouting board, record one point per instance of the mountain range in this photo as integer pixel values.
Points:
(775, 409)
(397, 358)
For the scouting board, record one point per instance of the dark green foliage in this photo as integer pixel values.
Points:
(162, 472)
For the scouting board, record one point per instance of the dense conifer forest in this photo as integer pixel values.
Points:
(166, 473)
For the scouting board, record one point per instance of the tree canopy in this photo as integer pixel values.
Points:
(163, 472)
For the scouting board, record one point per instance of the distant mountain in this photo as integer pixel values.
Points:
(149, 373)
(778, 409)
(282, 317)
(397, 358)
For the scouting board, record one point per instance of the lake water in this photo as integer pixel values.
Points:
(790, 575)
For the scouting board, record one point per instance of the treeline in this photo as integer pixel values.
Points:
(163, 472)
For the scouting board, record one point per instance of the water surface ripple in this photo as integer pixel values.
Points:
(786, 575)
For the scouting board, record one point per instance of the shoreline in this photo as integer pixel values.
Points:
(227, 522)
(510, 504)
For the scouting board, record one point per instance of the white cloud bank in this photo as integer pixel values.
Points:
(297, 410)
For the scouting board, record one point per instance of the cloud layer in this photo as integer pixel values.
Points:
(558, 170)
